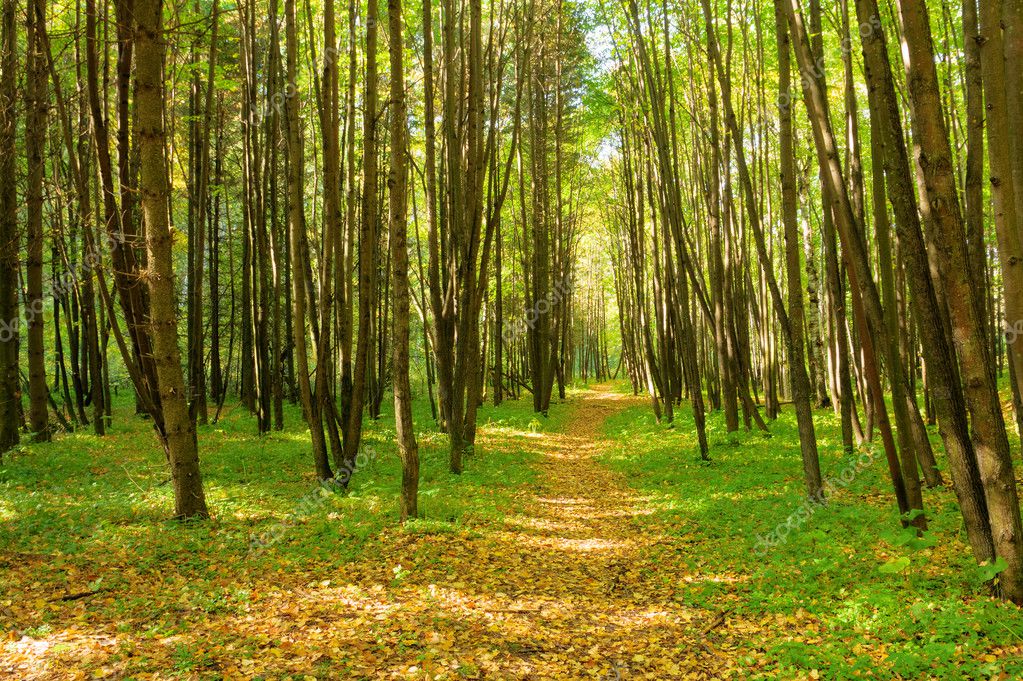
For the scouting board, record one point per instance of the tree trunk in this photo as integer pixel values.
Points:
(1001, 140)
(408, 450)
(794, 323)
(973, 190)
(367, 241)
(179, 430)
(10, 319)
(296, 230)
(36, 106)
(940, 208)
(199, 180)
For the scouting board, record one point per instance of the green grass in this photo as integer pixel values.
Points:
(84, 511)
(883, 608)
(846, 593)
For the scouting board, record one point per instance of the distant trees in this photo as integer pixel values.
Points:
(297, 294)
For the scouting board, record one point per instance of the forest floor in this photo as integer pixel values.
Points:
(594, 544)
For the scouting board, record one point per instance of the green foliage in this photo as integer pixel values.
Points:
(100, 507)
(886, 602)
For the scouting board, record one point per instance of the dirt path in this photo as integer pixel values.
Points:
(571, 588)
(571, 585)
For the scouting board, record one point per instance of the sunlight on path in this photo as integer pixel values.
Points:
(574, 586)
(569, 589)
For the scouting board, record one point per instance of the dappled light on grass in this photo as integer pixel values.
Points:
(538, 562)
(840, 593)
(530, 564)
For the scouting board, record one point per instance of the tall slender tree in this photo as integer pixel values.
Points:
(397, 182)
(36, 106)
(10, 319)
(179, 434)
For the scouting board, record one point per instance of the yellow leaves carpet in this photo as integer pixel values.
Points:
(573, 586)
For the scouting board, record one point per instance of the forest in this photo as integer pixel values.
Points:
(511, 339)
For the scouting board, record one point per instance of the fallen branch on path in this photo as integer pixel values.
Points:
(75, 596)
(718, 620)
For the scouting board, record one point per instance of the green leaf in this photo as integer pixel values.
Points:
(894, 566)
(988, 571)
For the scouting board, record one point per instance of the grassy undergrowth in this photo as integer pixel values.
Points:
(857, 595)
(845, 593)
(84, 514)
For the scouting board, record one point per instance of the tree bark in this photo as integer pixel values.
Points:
(408, 450)
(10, 319)
(179, 430)
(1001, 142)
(940, 208)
